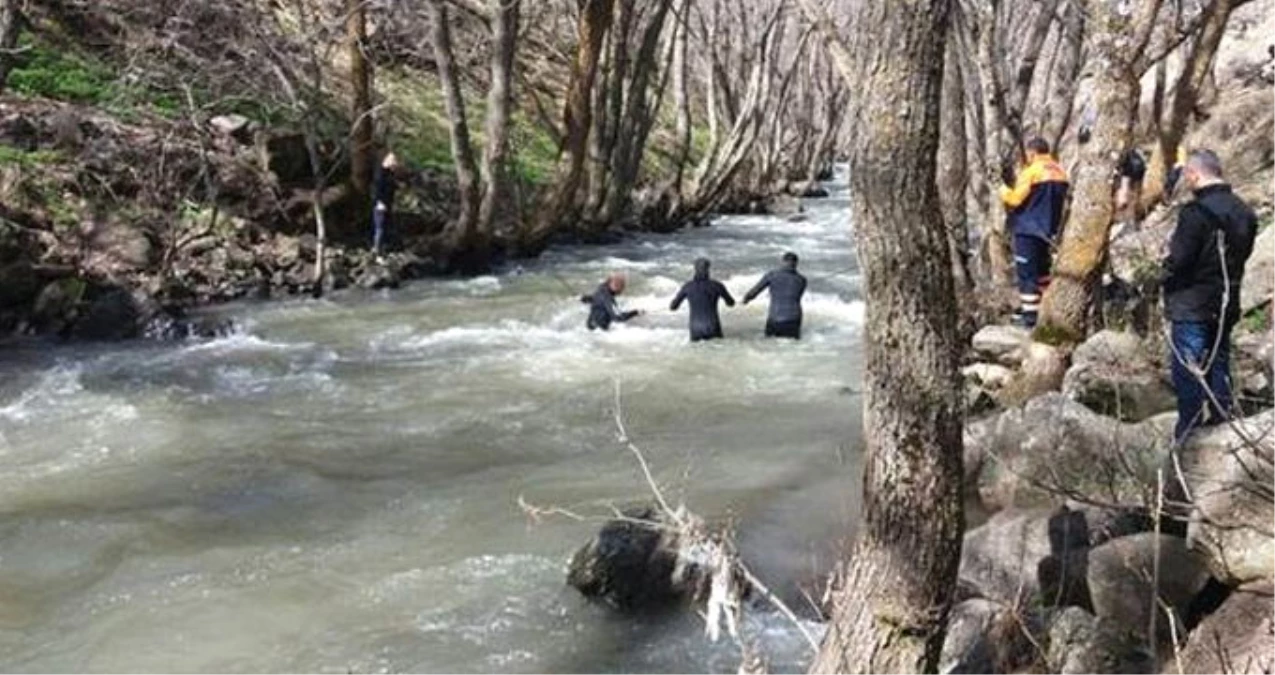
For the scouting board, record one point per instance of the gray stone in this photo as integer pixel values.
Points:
(1112, 375)
(233, 125)
(1001, 559)
(1259, 273)
(1228, 472)
(990, 376)
(1079, 642)
(1237, 638)
(1001, 344)
(631, 564)
(987, 637)
(1120, 579)
(1053, 448)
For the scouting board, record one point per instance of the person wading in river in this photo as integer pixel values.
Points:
(603, 309)
(786, 288)
(703, 294)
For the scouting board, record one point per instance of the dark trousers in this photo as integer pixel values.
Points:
(784, 329)
(700, 333)
(1201, 375)
(380, 222)
(1032, 263)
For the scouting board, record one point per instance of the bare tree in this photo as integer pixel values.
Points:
(463, 229)
(1117, 41)
(891, 611)
(10, 24)
(504, 37)
(577, 117)
(361, 149)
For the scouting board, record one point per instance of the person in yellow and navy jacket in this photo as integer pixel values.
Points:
(1035, 208)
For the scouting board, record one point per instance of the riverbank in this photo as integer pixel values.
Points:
(100, 243)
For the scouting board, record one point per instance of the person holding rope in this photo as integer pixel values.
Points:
(603, 309)
(1202, 274)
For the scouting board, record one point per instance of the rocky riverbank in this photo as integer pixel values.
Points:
(117, 229)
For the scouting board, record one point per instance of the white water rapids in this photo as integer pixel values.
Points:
(335, 487)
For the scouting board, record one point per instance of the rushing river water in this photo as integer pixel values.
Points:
(335, 488)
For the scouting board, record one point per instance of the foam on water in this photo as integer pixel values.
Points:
(335, 486)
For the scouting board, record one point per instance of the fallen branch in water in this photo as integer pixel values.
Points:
(698, 548)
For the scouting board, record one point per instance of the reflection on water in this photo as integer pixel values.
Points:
(335, 488)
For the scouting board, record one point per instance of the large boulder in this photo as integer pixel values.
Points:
(1001, 559)
(1080, 642)
(1237, 638)
(1259, 273)
(1112, 375)
(632, 564)
(1005, 345)
(1253, 368)
(1228, 475)
(984, 636)
(1131, 577)
(116, 314)
(1053, 448)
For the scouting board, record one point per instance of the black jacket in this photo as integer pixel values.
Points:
(603, 309)
(786, 288)
(1217, 225)
(383, 186)
(703, 294)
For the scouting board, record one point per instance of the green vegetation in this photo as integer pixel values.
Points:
(1257, 321)
(44, 70)
(419, 132)
(10, 155)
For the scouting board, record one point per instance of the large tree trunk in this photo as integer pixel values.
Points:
(463, 230)
(1083, 249)
(891, 611)
(595, 20)
(681, 96)
(952, 180)
(504, 40)
(10, 23)
(361, 149)
(1195, 71)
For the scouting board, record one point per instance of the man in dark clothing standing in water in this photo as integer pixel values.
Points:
(602, 306)
(703, 294)
(786, 288)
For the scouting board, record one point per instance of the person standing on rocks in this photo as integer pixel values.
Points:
(786, 288)
(603, 309)
(703, 293)
(383, 187)
(1034, 203)
(1203, 270)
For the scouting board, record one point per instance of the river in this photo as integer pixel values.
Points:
(334, 488)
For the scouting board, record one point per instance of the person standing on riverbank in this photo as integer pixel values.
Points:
(1203, 272)
(383, 187)
(703, 294)
(603, 309)
(786, 288)
(1034, 203)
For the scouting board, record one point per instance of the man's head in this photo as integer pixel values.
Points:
(616, 281)
(790, 260)
(390, 161)
(701, 268)
(1202, 168)
(1036, 147)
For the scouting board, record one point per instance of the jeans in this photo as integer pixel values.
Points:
(380, 219)
(1193, 346)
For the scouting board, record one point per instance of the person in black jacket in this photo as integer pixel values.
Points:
(703, 294)
(383, 187)
(1204, 268)
(603, 310)
(786, 288)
